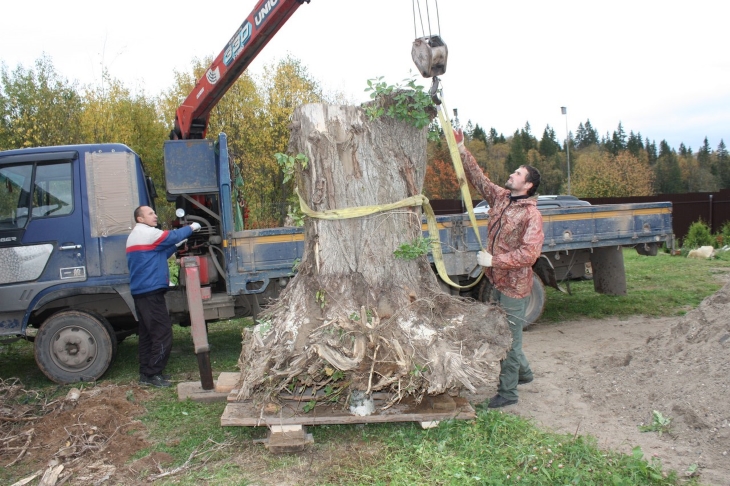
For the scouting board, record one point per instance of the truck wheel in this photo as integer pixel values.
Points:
(534, 307)
(73, 346)
(537, 302)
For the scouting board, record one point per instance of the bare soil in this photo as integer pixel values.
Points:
(602, 378)
(87, 440)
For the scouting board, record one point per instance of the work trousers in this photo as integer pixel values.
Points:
(514, 366)
(155, 333)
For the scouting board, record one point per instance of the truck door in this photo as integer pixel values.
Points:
(41, 230)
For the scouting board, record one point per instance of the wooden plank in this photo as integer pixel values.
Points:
(288, 441)
(291, 413)
(284, 429)
(226, 381)
(305, 396)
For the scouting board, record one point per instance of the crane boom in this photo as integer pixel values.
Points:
(191, 118)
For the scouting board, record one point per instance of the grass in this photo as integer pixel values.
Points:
(496, 448)
(663, 285)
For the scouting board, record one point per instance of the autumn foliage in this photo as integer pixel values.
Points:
(601, 174)
(38, 107)
(441, 180)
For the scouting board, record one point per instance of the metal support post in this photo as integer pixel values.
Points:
(197, 320)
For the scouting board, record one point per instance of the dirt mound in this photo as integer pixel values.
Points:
(84, 440)
(684, 373)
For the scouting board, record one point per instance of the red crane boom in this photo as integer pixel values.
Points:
(191, 118)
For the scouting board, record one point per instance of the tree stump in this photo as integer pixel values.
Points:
(355, 317)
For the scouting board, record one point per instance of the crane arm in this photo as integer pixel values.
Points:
(191, 118)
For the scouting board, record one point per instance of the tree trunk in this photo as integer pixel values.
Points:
(355, 317)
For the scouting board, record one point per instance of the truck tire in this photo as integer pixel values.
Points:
(537, 302)
(73, 346)
(534, 307)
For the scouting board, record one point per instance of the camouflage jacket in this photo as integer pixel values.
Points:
(515, 234)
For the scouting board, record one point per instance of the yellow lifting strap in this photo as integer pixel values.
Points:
(458, 167)
(361, 211)
(463, 184)
(419, 200)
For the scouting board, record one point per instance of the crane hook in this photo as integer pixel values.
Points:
(434, 91)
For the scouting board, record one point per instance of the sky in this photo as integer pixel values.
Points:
(659, 67)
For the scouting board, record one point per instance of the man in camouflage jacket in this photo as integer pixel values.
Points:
(514, 243)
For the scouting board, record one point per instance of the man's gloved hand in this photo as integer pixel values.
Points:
(484, 258)
(459, 136)
(195, 226)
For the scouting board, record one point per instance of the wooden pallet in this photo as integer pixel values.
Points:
(286, 421)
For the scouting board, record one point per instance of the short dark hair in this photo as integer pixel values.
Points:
(533, 175)
(138, 213)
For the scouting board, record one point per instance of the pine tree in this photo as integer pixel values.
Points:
(479, 134)
(495, 137)
(618, 140)
(667, 174)
(590, 137)
(722, 161)
(469, 129)
(704, 157)
(608, 143)
(580, 134)
(528, 141)
(635, 144)
(518, 152)
(548, 145)
(651, 152)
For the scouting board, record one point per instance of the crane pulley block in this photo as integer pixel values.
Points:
(430, 54)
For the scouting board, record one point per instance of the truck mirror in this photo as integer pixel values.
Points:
(151, 188)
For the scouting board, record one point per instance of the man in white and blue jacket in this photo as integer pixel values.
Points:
(148, 249)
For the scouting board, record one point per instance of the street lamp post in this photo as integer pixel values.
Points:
(564, 111)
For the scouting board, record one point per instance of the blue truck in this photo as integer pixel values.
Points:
(66, 212)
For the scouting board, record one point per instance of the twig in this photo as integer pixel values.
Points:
(372, 367)
(24, 449)
(18, 419)
(186, 464)
(576, 430)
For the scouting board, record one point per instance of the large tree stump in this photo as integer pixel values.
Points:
(355, 317)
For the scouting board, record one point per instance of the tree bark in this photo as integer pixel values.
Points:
(355, 317)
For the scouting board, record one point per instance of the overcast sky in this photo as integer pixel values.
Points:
(661, 68)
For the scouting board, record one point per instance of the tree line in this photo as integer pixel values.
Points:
(612, 165)
(38, 107)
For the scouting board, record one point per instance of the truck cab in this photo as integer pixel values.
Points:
(65, 214)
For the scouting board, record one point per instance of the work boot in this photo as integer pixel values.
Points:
(498, 401)
(156, 380)
(525, 381)
(165, 376)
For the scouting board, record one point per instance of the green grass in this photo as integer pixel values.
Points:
(663, 285)
(494, 449)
